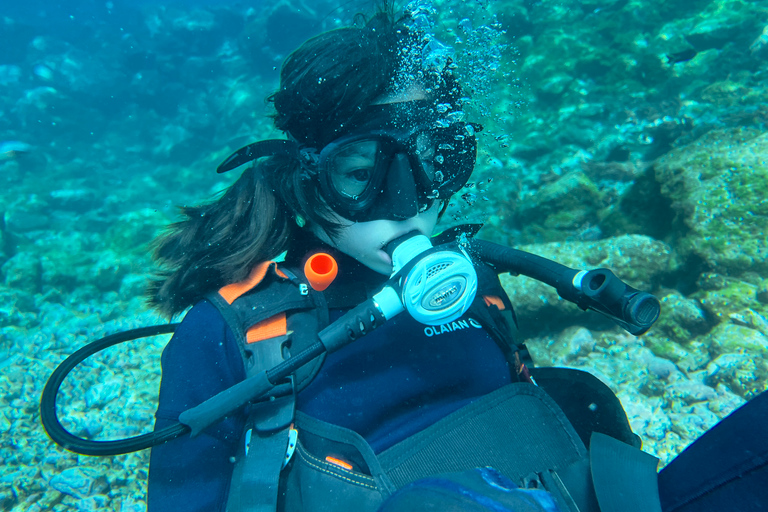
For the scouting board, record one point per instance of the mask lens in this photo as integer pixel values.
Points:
(352, 168)
(424, 149)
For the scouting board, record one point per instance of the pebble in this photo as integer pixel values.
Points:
(661, 368)
(690, 392)
(75, 482)
(101, 394)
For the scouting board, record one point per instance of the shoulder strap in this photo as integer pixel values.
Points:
(494, 311)
(272, 313)
(270, 303)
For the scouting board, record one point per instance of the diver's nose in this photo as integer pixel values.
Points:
(398, 199)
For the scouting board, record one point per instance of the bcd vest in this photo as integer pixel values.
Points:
(535, 431)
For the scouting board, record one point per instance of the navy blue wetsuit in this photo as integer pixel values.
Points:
(387, 386)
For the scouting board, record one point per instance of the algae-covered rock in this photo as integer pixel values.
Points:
(735, 297)
(722, 22)
(719, 187)
(682, 318)
(742, 373)
(23, 272)
(732, 297)
(561, 208)
(638, 260)
(730, 338)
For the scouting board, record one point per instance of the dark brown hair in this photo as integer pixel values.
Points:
(325, 85)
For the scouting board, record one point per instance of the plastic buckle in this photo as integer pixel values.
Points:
(276, 412)
(293, 439)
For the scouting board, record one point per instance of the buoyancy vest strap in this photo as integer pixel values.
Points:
(269, 328)
(624, 477)
(255, 480)
(232, 291)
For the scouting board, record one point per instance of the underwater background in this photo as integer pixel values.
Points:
(627, 134)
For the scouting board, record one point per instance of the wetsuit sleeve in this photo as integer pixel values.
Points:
(202, 359)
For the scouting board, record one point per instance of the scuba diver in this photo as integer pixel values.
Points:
(302, 383)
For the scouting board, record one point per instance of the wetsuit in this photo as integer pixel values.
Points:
(391, 384)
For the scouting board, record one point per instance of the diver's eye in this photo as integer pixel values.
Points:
(361, 175)
(352, 168)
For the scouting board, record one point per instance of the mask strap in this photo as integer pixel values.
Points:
(256, 150)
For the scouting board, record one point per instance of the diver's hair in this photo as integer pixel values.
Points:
(218, 243)
(325, 85)
(331, 78)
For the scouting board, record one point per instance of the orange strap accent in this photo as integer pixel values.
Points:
(338, 462)
(496, 301)
(269, 328)
(232, 291)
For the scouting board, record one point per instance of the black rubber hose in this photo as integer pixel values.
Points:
(601, 290)
(64, 438)
(505, 259)
(353, 325)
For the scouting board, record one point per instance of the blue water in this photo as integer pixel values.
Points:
(621, 134)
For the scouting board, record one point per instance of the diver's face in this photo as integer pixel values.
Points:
(365, 241)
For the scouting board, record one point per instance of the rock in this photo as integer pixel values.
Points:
(572, 343)
(681, 319)
(730, 338)
(661, 368)
(691, 422)
(131, 505)
(108, 271)
(689, 392)
(721, 23)
(102, 393)
(133, 285)
(23, 272)
(75, 482)
(718, 186)
(75, 200)
(559, 209)
(134, 230)
(93, 503)
(735, 297)
(23, 222)
(743, 374)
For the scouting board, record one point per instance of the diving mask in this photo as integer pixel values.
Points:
(393, 165)
(393, 174)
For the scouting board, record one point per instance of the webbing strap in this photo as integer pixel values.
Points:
(624, 477)
(232, 291)
(255, 480)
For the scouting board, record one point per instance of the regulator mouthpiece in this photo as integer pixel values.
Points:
(435, 285)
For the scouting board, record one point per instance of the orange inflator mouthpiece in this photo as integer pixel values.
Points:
(320, 270)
